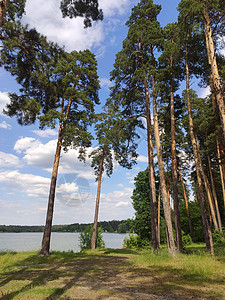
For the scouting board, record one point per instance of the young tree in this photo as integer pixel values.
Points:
(116, 141)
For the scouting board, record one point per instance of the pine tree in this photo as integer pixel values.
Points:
(135, 71)
(115, 143)
(210, 14)
(58, 88)
(171, 74)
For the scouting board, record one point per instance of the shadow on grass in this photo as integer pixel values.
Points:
(59, 274)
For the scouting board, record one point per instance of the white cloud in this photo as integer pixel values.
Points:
(64, 31)
(204, 92)
(9, 160)
(114, 7)
(42, 156)
(4, 99)
(32, 185)
(104, 82)
(5, 125)
(142, 158)
(26, 143)
(45, 133)
(122, 203)
(71, 32)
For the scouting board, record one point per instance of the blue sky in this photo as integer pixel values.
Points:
(27, 153)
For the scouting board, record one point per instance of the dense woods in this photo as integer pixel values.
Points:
(182, 192)
(107, 226)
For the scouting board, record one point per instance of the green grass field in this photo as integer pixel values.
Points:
(113, 274)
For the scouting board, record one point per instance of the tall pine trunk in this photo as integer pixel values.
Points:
(3, 9)
(186, 204)
(213, 93)
(207, 187)
(153, 202)
(49, 217)
(95, 225)
(168, 221)
(214, 194)
(159, 216)
(214, 68)
(207, 229)
(174, 171)
(221, 171)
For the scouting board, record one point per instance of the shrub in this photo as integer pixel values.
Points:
(86, 235)
(135, 241)
(186, 239)
(219, 237)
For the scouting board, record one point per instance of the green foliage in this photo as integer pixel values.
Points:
(122, 228)
(135, 241)
(186, 239)
(82, 8)
(86, 235)
(219, 237)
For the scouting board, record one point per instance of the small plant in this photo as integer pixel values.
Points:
(219, 236)
(134, 241)
(186, 239)
(86, 235)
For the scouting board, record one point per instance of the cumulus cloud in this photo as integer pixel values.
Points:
(71, 32)
(64, 31)
(45, 133)
(4, 99)
(5, 125)
(142, 158)
(204, 92)
(9, 160)
(25, 143)
(32, 185)
(42, 155)
(114, 7)
(111, 204)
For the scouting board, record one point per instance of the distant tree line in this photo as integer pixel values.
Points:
(108, 226)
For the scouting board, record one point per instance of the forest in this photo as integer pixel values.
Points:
(107, 226)
(182, 192)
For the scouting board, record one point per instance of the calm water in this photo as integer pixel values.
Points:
(59, 241)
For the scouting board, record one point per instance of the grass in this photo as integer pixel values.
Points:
(115, 274)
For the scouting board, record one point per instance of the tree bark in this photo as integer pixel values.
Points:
(49, 218)
(3, 8)
(159, 216)
(214, 68)
(221, 171)
(153, 203)
(207, 187)
(186, 204)
(174, 170)
(207, 230)
(214, 194)
(168, 221)
(95, 225)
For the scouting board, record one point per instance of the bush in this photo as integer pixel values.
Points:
(219, 237)
(186, 239)
(135, 241)
(86, 235)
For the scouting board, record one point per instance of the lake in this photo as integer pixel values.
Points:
(60, 241)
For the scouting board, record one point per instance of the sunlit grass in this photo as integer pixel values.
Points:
(25, 275)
